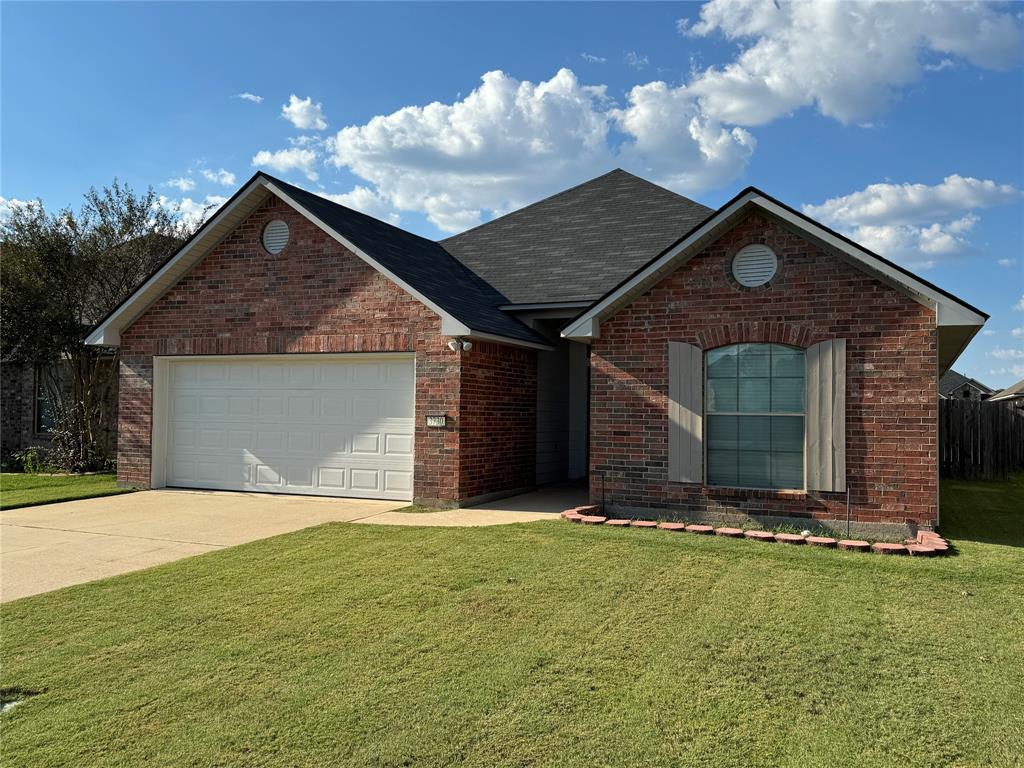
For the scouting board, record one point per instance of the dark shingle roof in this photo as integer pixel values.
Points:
(951, 381)
(576, 244)
(421, 263)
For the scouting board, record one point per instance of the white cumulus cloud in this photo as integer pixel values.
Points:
(246, 96)
(182, 183)
(9, 204)
(304, 114)
(846, 59)
(636, 60)
(511, 141)
(592, 59)
(222, 177)
(1017, 333)
(1006, 353)
(1019, 306)
(917, 224)
(193, 211)
(367, 201)
(1017, 371)
(1007, 263)
(291, 159)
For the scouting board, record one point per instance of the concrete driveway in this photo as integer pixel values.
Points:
(57, 545)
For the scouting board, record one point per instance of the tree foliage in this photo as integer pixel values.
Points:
(61, 273)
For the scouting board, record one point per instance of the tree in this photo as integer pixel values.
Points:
(60, 274)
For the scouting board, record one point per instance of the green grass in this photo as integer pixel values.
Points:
(529, 645)
(25, 490)
(418, 509)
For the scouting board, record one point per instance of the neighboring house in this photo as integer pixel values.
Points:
(25, 413)
(953, 385)
(691, 362)
(1012, 394)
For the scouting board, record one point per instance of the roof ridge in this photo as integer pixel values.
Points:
(565, 192)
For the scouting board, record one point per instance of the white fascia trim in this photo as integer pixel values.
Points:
(450, 325)
(108, 333)
(948, 311)
(506, 340)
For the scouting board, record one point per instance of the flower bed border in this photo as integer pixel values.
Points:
(925, 544)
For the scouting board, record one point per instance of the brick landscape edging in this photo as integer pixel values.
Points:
(926, 544)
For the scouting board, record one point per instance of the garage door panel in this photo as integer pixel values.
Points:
(341, 428)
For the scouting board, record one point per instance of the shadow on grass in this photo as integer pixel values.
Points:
(986, 511)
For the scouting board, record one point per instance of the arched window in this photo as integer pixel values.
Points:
(755, 416)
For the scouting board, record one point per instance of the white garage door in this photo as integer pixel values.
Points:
(323, 426)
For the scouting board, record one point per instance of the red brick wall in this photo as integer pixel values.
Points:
(313, 297)
(891, 380)
(498, 409)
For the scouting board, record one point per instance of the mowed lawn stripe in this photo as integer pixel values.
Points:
(537, 644)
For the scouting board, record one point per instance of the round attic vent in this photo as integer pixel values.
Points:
(754, 265)
(275, 236)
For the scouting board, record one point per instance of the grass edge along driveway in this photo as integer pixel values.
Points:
(28, 490)
(536, 644)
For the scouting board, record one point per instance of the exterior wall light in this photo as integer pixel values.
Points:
(456, 344)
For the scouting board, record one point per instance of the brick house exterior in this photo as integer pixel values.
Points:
(240, 300)
(20, 388)
(891, 383)
(523, 371)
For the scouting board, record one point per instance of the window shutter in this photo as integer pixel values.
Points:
(685, 413)
(826, 416)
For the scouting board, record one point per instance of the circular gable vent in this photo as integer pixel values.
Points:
(275, 236)
(754, 265)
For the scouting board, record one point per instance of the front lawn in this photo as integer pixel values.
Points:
(25, 490)
(537, 644)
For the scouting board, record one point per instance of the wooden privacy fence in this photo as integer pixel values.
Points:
(980, 440)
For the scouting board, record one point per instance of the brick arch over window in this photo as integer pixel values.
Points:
(790, 334)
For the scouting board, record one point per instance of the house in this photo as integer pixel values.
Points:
(26, 416)
(953, 385)
(1012, 394)
(744, 361)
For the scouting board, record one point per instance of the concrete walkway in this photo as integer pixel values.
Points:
(544, 504)
(56, 545)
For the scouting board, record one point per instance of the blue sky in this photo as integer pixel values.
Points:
(915, 149)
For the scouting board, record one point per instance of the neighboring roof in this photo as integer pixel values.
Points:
(951, 381)
(573, 245)
(1012, 392)
(466, 304)
(957, 320)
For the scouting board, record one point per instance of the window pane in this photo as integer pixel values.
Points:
(787, 395)
(787, 362)
(754, 469)
(754, 395)
(722, 432)
(755, 433)
(787, 470)
(721, 395)
(754, 365)
(788, 433)
(722, 363)
(721, 467)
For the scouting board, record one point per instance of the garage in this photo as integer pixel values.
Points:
(305, 424)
